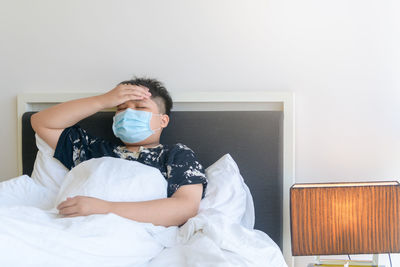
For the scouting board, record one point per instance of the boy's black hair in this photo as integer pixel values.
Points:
(157, 89)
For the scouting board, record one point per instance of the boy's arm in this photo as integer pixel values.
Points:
(50, 123)
(173, 211)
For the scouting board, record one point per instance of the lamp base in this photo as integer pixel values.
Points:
(346, 263)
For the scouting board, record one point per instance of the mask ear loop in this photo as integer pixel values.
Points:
(158, 114)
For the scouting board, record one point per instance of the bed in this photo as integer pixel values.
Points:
(255, 128)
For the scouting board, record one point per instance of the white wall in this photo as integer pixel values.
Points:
(341, 58)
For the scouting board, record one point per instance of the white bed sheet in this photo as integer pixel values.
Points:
(32, 234)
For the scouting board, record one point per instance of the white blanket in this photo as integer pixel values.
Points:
(33, 234)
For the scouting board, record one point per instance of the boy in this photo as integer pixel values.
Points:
(143, 109)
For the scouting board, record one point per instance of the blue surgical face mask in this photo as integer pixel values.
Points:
(132, 126)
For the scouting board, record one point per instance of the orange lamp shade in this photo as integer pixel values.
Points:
(345, 218)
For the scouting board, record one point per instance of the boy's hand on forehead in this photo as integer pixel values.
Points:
(123, 93)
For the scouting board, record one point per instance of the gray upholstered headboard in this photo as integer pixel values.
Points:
(253, 138)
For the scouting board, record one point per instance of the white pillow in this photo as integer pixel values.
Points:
(227, 192)
(113, 179)
(47, 170)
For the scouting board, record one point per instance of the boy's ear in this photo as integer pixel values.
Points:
(164, 120)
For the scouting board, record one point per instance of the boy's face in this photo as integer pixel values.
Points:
(156, 122)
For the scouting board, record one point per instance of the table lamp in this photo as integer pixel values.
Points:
(345, 218)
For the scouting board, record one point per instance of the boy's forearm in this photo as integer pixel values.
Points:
(68, 113)
(166, 211)
(50, 123)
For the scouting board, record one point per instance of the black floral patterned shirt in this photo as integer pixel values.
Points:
(177, 163)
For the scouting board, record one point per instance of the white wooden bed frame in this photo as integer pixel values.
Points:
(200, 101)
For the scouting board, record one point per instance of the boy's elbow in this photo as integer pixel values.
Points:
(194, 210)
(191, 210)
(34, 122)
(188, 199)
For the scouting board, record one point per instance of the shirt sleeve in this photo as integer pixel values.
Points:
(183, 168)
(75, 145)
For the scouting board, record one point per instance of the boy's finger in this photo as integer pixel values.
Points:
(68, 210)
(132, 97)
(138, 92)
(144, 87)
(67, 203)
(139, 99)
(136, 87)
